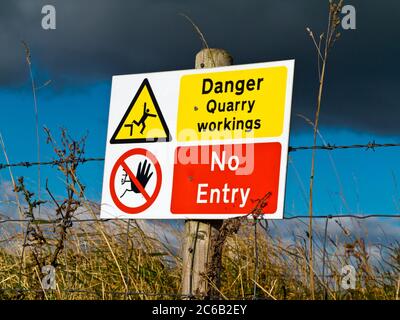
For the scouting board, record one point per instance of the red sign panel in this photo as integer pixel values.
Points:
(227, 179)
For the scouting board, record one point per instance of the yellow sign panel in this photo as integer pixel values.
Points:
(232, 104)
(143, 120)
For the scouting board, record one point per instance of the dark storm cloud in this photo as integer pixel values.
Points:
(95, 39)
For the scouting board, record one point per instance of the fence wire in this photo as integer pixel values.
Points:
(372, 145)
(260, 218)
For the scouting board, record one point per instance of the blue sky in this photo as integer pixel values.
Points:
(346, 181)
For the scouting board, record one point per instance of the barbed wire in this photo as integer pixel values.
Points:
(372, 145)
(28, 164)
(329, 216)
(354, 216)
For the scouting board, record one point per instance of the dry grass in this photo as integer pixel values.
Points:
(108, 260)
(325, 44)
(97, 257)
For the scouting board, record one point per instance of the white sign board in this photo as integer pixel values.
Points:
(198, 144)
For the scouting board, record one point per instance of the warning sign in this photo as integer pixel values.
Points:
(229, 179)
(143, 120)
(227, 133)
(232, 104)
(135, 181)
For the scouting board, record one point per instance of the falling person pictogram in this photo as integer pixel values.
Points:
(143, 175)
(142, 120)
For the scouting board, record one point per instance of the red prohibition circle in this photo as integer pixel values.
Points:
(150, 198)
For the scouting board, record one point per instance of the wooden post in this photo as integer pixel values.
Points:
(199, 234)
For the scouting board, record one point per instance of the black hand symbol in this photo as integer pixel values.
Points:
(143, 175)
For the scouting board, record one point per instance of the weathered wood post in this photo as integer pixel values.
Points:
(199, 234)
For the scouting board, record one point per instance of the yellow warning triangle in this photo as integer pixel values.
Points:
(143, 120)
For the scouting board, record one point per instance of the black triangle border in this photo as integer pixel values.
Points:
(145, 83)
